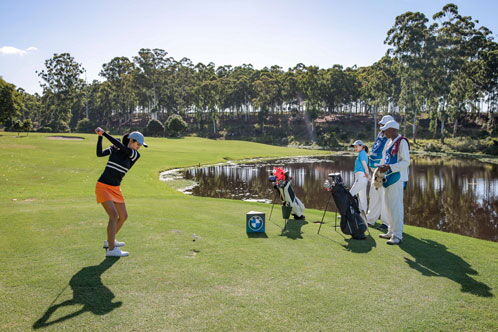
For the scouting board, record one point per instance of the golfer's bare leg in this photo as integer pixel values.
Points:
(110, 208)
(123, 215)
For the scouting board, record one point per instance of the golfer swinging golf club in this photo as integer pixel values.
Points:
(122, 156)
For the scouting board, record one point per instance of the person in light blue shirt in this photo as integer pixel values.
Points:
(362, 157)
(361, 176)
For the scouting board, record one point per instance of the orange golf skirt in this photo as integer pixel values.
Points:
(105, 192)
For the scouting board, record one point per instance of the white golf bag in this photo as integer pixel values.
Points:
(290, 199)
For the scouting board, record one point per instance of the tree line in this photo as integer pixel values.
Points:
(443, 68)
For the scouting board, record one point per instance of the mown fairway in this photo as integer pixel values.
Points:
(54, 275)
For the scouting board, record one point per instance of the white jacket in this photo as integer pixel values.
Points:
(403, 158)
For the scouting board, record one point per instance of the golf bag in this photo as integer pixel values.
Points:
(351, 221)
(282, 183)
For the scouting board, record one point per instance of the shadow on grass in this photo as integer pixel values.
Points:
(360, 246)
(89, 291)
(257, 235)
(331, 239)
(433, 259)
(292, 229)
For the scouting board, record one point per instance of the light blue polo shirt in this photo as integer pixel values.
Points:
(358, 166)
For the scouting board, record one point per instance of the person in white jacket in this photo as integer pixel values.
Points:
(395, 165)
(376, 206)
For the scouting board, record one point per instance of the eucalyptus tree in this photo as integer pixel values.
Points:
(30, 106)
(309, 83)
(295, 85)
(10, 103)
(119, 74)
(150, 78)
(99, 103)
(338, 87)
(62, 86)
(227, 86)
(184, 76)
(266, 89)
(460, 47)
(279, 88)
(411, 39)
(292, 94)
(206, 93)
(489, 84)
(244, 77)
(378, 86)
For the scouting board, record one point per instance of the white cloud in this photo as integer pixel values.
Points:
(11, 50)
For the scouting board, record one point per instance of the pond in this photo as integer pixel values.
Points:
(451, 195)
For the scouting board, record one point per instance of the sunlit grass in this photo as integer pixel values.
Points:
(51, 232)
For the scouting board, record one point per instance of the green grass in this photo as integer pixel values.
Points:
(53, 270)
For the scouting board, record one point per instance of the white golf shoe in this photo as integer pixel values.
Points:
(116, 252)
(116, 244)
(394, 240)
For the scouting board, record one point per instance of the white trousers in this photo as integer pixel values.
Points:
(393, 201)
(376, 207)
(360, 188)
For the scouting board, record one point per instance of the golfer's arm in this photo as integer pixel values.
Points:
(404, 158)
(101, 153)
(118, 144)
(114, 141)
(365, 166)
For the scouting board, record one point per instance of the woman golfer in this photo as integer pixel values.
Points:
(122, 156)
(361, 175)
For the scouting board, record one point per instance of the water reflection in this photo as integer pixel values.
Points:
(458, 196)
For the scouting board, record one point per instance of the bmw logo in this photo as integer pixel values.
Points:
(255, 223)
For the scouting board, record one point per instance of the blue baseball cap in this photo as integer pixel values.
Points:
(137, 136)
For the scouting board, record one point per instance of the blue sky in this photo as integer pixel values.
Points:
(262, 33)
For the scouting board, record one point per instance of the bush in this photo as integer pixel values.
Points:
(467, 144)
(27, 125)
(154, 128)
(17, 126)
(492, 148)
(328, 140)
(59, 126)
(85, 126)
(44, 130)
(8, 124)
(433, 147)
(175, 125)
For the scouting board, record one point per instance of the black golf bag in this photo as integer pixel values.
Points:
(351, 221)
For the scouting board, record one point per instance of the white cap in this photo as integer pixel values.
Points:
(358, 142)
(385, 119)
(390, 124)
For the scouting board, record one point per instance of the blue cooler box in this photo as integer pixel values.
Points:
(255, 222)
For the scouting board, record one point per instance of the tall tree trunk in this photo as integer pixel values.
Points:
(455, 127)
(442, 129)
(414, 128)
(375, 124)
